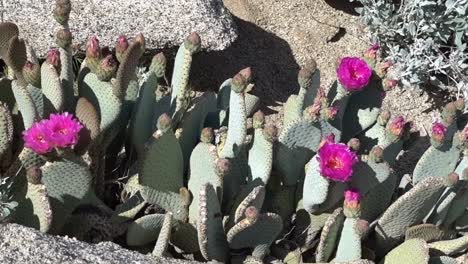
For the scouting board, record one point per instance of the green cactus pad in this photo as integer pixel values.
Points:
(127, 69)
(100, 94)
(260, 157)
(377, 200)
(193, 122)
(251, 103)
(292, 110)
(129, 209)
(328, 129)
(145, 229)
(6, 93)
(308, 226)
(185, 236)
(297, 144)
(68, 182)
(38, 99)
(237, 126)
(436, 162)
(414, 251)
(88, 116)
(93, 224)
(462, 222)
(202, 171)
(9, 30)
(443, 260)
(34, 209)
(211, 236)
(362, 111)
(410, 209)
(162, 166)
(349, 247)
(25, 104)
(6, 130)
(457, 207)
(142, 128)
(164, 237)
(429, 233)
(15, 57)
(67, 77)
(281, 201)
(442, 206)
(450, 247)
(316, 187)
(170, 201)
(253, 233)
(329, 236)
(54, 94)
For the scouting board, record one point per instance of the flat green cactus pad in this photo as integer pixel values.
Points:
(450, 247)
(145, 229)
(260, 157)
(413, 251)
(329, 235)
(54, 96)
(349, 247)
(211, 236)
(443, 260)
(429, 233)
(25, 104)
(408, 210)
(68, 182)
(164, 237)
(436, 162)
(34, 209)
(185, 236)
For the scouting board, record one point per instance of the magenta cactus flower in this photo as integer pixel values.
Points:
(438, 131)
(336, 161)
(397, 126)
(353, 73)
(62, 130)
(35, 138)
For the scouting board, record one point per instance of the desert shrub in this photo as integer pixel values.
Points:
(425, 39)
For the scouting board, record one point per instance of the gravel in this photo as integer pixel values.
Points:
(165, 23)
(19, 244)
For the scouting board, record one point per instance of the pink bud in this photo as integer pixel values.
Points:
(53, 57)
(92, 48)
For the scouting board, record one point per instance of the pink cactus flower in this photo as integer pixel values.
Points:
(397, 126)
(438, 131)
(354, 74)
(336, 161)
(62, 130)
(352, 198)
(35, 138)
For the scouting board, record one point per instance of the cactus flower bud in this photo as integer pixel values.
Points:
(397, 126)
(351, 206)
(312, 112)
(331, 112)
(139, 38)
(460, 104)
(158, 64)
(382, 68)
(222, 166)
(362, 226)
(32, 73)
(389, 84)
(330, 138)
(271, 133)
(207, 135)
(193, 43)
(93, 50)
(251, 214)
(164, 123)
(34, 175)
(371, 53)
(452, 179)
(241, 80)
(438, 134)
(53, 58)
(258, 119)
(376, 154)
(121, 47)
(305, 75)
(62, 11)
(107, 68)
(64, 38)
(354, 144)
(383, 118)
(463, 137)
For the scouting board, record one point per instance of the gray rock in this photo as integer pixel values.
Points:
(164, 23)
(19, 244)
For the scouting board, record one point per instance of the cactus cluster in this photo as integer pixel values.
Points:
(200, 181)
